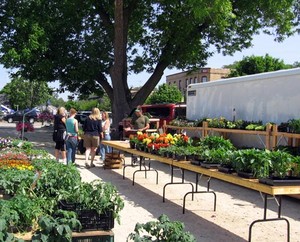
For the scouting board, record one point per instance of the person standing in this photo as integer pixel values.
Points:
(92, 128)
(141, 122)
(72, 134)
(60, 133)
(106, 131)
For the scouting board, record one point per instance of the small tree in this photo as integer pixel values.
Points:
(26, 94)
(165, 94)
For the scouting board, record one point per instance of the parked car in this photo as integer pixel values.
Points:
(30, 116)
(81, 118)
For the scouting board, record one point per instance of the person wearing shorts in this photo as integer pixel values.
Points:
(92, 128)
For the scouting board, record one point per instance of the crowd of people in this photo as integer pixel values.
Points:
(65, 135)
(96, 128)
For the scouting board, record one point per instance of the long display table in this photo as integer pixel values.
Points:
(275, 191)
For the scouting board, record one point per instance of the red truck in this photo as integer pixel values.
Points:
(158, 114)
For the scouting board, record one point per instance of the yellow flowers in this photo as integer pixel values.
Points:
(15, 161)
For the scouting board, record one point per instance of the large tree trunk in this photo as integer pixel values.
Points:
(121, 99)
(118, 72)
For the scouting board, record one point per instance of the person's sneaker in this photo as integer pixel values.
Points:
(92, 165)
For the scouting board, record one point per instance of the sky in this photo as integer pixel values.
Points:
(288, 51)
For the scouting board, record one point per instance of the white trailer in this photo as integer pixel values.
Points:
(269, 97)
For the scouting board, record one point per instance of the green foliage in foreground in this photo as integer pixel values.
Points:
(161, 230)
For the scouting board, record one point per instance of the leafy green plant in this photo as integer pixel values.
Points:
(294, 125)
(98, 195)
(253, 161)
(55, 178)
(56, 229)
(161, 230)
(227, 159)
(216, 122)
(12, 180)
(215, 155)
(238, 124)
(282, 163)
(5, 236)
(20, 212)
(296, 166)
(215, 142)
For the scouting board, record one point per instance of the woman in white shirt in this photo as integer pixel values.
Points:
(106, 135)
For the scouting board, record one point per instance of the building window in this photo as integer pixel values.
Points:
(204, 79)
(179, 85)
(191, 79)
(195, 79)
(186, 82)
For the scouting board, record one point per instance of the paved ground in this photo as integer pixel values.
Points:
(237, 207)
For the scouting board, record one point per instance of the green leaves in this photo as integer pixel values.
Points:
(24, 93)
(165, 94)
(161, 230)
(56, 229)
(257, 64)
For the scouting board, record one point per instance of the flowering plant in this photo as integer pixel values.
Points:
(17, 161)
(5, 142)
(133, 138)
(24, 126)
(181, 140)
(46, 116)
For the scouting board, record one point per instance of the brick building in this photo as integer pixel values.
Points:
(183, 79)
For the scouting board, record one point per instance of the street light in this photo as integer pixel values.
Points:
(22, 135)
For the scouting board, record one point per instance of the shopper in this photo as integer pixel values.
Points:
(72, 134)
(106, 131)
(59, 133)
(92, 128)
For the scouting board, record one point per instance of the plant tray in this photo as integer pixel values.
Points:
(209, 165)
(227, 170)
(195, 162)
(276, 181)
(245, 175)
(90, 219)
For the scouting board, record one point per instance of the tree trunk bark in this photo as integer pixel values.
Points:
(121, 99)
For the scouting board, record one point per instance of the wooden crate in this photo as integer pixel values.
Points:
(113, 163)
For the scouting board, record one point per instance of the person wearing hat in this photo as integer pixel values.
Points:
(140, 122)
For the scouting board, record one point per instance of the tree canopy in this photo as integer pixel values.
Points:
(165, 94)
(26, 94)
(256, 64)
(91, 46)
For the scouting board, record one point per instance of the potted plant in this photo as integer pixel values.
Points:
(132, 141)
(251, 163)
(95, 200)
(161, 230)
(284, 169)
(226, 162)
(294, 125)
(215, 142)
(180, 153)
(212, 157)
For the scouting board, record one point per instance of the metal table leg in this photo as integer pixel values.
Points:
(265, 219)
(176, 183)
(198, 192)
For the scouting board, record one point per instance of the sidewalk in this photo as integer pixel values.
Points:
(237, 207)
